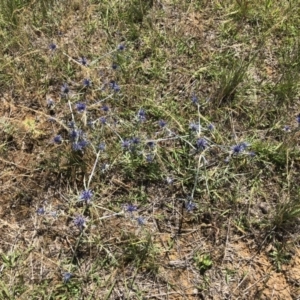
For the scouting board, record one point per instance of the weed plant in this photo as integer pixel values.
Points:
(140, 141)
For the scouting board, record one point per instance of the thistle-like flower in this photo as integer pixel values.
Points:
(75, 134)
(102, 120)
(126, 144)
(52, 47)
(83, 61)
(151, 144)
(102, 146)
(121, 47)
(80, 107)
(79, 146)
(239, 148)
(135, 140)
(80, 221)
(105, 108)
(201, 144)
(40, 211)
(86, 196)
(130, 208)
(194, 127)
(190, 206)
(149, 158)
(50, 103)
(210, 127)
(162, 123)
(65, 89)
(141, 221)
(195, 99)
(115, 86)
(66, 277)
(57, 139)
(141, 115)
(87, 82)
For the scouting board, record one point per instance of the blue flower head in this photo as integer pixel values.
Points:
(162, 123)
(40, 211)
(114, 86)
(102, 120)
(50, 103)
(72, 125)
(65, 89)
(151, 144)
(210, 127)
(75, 134)
(66, 277)
(121, 47)
(105, 108)
(83, 144)
(190, 206)
(135, 140)
(194, 126)
(130, 208)
(52, 47)
(81, 107)
(102, 146)
(195, 99)
(201, 144)
(87, 82)
(57, 139)
(83, 61)
(86, 196)
(239, 148)
(141, 221)
(79, 146)
(79, 221)
(141, 115)
(126, 144)
(149, 158)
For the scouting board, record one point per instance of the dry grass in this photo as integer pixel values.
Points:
(189, 211)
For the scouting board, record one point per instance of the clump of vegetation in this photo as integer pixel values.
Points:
(143, 144)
